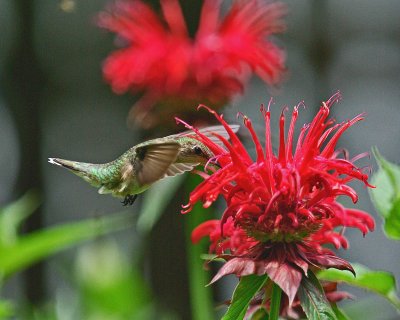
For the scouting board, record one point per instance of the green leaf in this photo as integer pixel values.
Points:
(386, 195)
(380, 282)
(244, 292)
(156, 199)
(313, 300)
(37, 245)
(275, 305)
(392, 221)
(14, 214)
(340, 315)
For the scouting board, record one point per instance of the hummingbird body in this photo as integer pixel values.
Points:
(139, 167)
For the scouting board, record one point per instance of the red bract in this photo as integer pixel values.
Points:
(162, 61)
(281, 208)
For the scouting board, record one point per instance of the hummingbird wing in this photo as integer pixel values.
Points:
(153, 160)
(179, 168)
(208, 132)
(220, 130)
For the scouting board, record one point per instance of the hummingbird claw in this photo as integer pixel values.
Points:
(129, 199)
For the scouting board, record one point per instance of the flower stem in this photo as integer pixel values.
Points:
(200, 295)
(275, 302)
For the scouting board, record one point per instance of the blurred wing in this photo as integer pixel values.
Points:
(152, 161)
(207, 131)
(179, 168)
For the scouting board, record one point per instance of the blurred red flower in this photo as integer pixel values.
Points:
(281, 208)
(161, 60)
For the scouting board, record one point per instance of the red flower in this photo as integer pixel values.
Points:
(164, 63)
(281, 208)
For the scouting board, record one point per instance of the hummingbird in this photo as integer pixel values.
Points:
(144, 164)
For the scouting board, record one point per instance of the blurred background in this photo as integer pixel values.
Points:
(54, 103)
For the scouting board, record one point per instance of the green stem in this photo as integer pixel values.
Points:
(200, 295)
(275, 302)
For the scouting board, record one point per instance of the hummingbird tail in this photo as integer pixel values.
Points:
(95, 174)
(70, 165)
(81, 169)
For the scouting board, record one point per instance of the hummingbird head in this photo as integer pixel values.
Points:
(194, 151)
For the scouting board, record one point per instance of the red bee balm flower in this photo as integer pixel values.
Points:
(162, 61)
(282, 207)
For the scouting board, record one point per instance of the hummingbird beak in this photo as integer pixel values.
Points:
(217, 165)
(212, 161)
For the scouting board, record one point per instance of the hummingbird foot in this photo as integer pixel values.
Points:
(129, 199)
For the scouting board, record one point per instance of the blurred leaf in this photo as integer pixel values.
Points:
(14, 214)
(200, 295)
(379, 282)
(43, 314)
(105, 286)
(110, 285)
(247, 287)
(313, 300)
(373, 306)
(386, 195)
(37, 245)
(211, 257)
(156, 199)
(6, 309)
(260, 314)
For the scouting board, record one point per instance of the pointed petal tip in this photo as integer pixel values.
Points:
(351, 269)
(203, 106)
(335, 98)
(186, 208)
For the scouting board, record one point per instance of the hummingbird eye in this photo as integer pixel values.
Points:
(197, 150)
